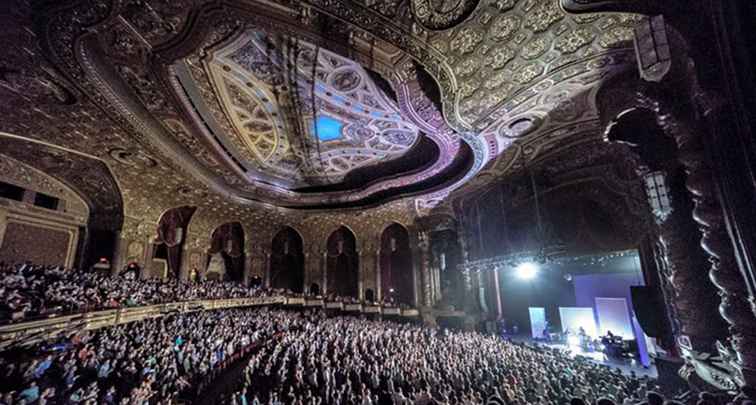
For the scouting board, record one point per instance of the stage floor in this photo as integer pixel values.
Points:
(626, 365)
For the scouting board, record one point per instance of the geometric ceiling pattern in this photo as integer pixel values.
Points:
(258, 107)
(289, 129)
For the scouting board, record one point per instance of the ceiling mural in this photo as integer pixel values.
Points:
(315, 134)
(275, 112)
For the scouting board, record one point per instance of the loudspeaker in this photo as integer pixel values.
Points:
(649, 309)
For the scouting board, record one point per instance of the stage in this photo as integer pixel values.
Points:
(625, 365)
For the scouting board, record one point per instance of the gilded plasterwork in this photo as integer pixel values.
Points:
(280, 133)
(516, 79)
(16, 172)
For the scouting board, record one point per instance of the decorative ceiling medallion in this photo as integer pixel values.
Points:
(294, 131)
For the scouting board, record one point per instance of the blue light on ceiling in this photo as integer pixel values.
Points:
(328, 128)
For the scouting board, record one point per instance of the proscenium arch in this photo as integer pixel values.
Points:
(287, 260)
(396, 270)
(342, 264)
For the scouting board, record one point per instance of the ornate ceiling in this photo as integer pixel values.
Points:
(213, 104)
(294, 138)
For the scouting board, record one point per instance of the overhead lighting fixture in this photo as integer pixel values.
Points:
(527, 271)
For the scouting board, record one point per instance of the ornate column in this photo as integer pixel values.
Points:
(307, 272)
(257, 264)
(247, 267)
(313, 267)
(266, 267)
(737, 305)
(324, 268)
(683, 268)
(149, 251)
(368, 265)
(425, 275)
(3, 223)
(378, 280)
(360, 284)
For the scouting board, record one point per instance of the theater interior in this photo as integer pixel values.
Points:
(376, 202)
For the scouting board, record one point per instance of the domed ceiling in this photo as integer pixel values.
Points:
(281, 126)
(247, 106)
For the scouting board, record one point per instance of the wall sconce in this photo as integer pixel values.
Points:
(658, 196)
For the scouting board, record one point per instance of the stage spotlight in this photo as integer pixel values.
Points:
(527, 270)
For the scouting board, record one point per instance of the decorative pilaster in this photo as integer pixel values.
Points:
(247, 275)
(425, 274)
(324, 270)
(368, 269)
(378, 280)
(360, 283)
(306, 277)
(266, 267)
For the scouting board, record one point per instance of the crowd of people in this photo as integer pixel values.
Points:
(28, 290)
(307, 358)
(364, 362)
(300, 358)
(156, 361)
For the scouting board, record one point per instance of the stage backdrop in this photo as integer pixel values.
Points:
(589, 287)
(537, 321)
(614, 316)
(575, 318)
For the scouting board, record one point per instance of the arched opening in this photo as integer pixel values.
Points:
(314, 289)
(226, 254)
(397, 281)
(342, 264)
(287, 261)
(369, 295)
(171, 234)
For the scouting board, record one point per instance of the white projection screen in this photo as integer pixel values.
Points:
(573, 318)
(537, 321)
(614, 316)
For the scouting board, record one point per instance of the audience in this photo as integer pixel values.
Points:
(151, 361)
(301, 358)
(28, 290)
(354, 361)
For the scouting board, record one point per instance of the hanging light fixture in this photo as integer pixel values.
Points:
(657, 193)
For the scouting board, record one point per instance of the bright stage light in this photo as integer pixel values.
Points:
(527, 270)
(573, 340)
